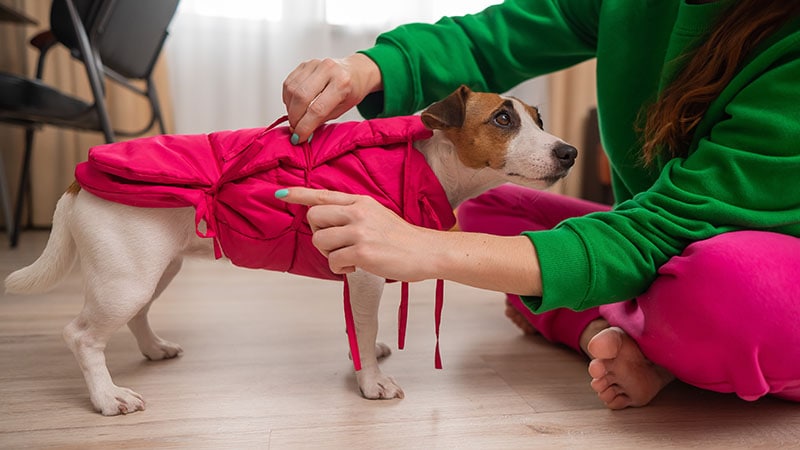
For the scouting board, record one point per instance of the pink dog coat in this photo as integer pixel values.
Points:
(230, 178)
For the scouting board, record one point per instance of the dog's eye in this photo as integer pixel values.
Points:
(502, 120)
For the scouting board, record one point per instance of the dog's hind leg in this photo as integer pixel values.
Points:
(110, 303)
(151, 345)
(365, 295)
(124, 253)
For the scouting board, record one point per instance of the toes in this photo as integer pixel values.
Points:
(599, 384)
(163, 350)
(121, 401)
(391, 390)
(606, 344)
(375, 385)
(597, 369)
(382, 391)
(621, 375)
(621, 401)
(608, 394)
(613, 397)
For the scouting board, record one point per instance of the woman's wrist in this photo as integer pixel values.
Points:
(368, 71)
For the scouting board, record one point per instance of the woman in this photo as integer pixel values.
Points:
(694, 272)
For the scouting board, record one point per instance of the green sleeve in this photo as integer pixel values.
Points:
(741, 174)
(493, 50)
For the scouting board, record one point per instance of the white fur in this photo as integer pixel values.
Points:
(520, 160)
(129, 255)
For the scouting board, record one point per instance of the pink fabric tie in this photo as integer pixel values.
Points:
(437, 318)
(350, 327)
(402, 320)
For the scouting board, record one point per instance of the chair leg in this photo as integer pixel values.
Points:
(5, 200)
(153, 97)
(94, 69)
(24, 184)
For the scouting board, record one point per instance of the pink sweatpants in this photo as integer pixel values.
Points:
(722, 316)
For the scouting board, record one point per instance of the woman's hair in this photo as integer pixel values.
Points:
(670, 122)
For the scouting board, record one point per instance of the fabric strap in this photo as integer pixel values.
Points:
(350, 326)
(402, 316)
(402, 313)
(437, 318)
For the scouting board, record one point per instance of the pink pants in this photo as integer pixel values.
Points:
(723, 316)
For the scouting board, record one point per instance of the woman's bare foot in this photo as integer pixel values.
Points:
(519, 320)
(621, 375)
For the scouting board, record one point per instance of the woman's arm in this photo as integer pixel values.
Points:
(417, 64)
(490, 51)
(356, 231)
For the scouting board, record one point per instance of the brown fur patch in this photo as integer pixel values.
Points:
(480, 143)
(73, 188)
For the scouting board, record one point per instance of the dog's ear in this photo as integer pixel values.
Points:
(447, 113)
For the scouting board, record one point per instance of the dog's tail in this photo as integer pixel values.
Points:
(56, 260)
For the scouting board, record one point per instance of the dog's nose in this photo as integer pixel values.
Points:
(565, 154)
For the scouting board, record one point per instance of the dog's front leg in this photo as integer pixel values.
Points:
(365, 295)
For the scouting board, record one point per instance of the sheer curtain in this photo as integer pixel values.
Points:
(227, 62)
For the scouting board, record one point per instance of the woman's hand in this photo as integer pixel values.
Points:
(322, 89)
(357, 231)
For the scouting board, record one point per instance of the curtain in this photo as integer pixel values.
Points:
(227, 67)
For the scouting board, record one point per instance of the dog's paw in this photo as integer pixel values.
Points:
(162, 350)
(378, 386)
(382, 350)
(118, 401)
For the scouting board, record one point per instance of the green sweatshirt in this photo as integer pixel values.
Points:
(743, 169)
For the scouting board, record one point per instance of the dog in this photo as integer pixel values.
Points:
(477, 141)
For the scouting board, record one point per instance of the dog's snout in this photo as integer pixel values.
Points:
(565, 154)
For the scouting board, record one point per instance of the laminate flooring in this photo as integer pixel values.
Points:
(265, 366)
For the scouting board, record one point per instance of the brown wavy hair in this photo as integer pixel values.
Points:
(670, 122)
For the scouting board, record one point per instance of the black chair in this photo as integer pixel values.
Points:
(118, 40)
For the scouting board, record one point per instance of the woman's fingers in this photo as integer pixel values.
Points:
(357, 231)
(316, 91)
(324, 89)
(313, 197)
(328, 219)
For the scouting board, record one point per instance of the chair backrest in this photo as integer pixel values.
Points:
(128, 34)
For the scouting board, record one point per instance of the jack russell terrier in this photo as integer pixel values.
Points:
(139, 207)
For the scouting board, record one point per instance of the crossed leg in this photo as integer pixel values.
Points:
(731, 318)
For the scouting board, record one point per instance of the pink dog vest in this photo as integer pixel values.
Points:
(230, 178)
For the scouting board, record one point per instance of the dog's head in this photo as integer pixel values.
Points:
(502, 133)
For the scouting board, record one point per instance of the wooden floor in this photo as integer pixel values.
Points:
(265, 366)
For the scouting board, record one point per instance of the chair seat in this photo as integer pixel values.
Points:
(27, 100)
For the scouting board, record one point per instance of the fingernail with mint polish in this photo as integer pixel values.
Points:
(281, 193)
(295, 139)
